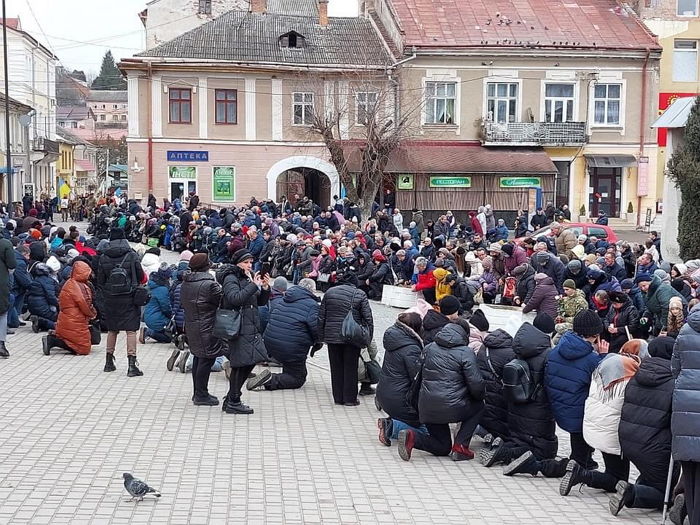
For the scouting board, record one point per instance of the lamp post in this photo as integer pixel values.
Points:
(8, 150)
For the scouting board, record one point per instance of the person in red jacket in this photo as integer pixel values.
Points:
(424, 280)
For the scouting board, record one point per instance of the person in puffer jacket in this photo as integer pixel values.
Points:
(158, 311)
(685, 421)
(493, 356)
(434, 321)
(42, 298)
(403, 349)
(601, 419)
(645, 430)
(570, 366)
(544, 297)
(452, 390)
(621, 321)
(380, 276)
(176, 305)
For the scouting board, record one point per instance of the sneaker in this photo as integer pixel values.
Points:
(182, 361)
(678, 511)
(461, 453)
(259, 380)
(142, 335)
(525, 464)
(488, 457)
(171, 360)
(623, 492)
(407, 441)
(210, 400)
(571, 478)
(384, 425)
(238, 408)
(45, 345)
(35, 323)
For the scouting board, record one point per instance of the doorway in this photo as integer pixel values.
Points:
(606, 185)
(561, 183)
(178, 187)
(305, 182)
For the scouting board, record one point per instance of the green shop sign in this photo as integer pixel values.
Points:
(224, 183)
(182, 172)
(450, 182)
(405, 182)
(520, 182)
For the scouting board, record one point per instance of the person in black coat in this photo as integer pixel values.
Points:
(577, 273)
(645, 428)
(496, 352)
(344, 356)
(243, 292)
(462, 292)
(434, 321)
(380, 276)
(291, 331)
(200, 296)
(525, 284)
(531, 425)
(452, 391)
(403, 351)
(621, 321)
(120, 313)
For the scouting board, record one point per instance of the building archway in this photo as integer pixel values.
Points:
(305, 175)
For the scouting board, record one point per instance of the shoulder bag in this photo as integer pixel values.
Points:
(351, 331)
(227, 325)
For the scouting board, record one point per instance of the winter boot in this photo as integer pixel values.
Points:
(109, 363)
(624, 495)
(407, 440)
(4, 354)
(133, 369)
(366, 389)
(574, 475)
(35, 323)
(525, 464)
(461, 453)
(259, 381)
(678, 511)
(237, 408)
(45, 345)
(385, 424)
(170, 364)
(488, 457)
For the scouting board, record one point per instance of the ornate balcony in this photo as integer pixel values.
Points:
(534, 134)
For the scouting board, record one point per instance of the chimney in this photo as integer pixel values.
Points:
(258, 6)
(323, 12)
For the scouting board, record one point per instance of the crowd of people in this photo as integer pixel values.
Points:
(614, 335)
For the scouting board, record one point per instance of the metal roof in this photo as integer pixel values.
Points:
(102, 95)
(676, 115)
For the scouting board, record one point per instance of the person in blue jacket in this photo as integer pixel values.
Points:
(291, 332)
(501, 231)
(20, 283)
(158, 311)
(42, 298)
(256, 244)
(567, 380)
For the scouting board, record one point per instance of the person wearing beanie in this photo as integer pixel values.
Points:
(434, 320)
(545, 262)
(576, 272)
(569, 283)
(544, 323)
(186, 256)
(158, 311)
(449, 306)
(570, 365)
(634, 293)
(525, 283)
(543, 299)
(200, 297)
(570, 304)
(118, 270)
(380, 276)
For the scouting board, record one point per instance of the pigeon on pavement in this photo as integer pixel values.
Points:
(137, 488)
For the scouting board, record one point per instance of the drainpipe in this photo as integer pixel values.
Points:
(642, 130)
(150, 128)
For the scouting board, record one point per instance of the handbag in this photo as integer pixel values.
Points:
(95, 334)
(323, 277)
(373, 371)
(227, 324)
(141, 296)
(351, 331)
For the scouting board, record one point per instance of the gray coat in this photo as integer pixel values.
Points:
(240, 293)
(685, 364)
(200, 296)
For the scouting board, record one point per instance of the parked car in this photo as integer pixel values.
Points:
(587, 228)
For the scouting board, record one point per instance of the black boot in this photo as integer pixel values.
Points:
(109, 363)
(3, 350)
(366, 389)
(525, 464)
(575, 474)
(133, 369)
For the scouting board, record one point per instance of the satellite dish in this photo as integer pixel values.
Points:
(25, 120)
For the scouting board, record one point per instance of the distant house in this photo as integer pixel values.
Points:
(111, 108)
(74, 117)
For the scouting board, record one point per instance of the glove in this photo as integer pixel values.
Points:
(315, 348)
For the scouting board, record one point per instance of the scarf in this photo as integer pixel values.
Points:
(620, 368)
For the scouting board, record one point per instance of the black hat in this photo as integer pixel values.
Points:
(544, 323)
(661, 347)
(479, 321)
(241, 255)
(587, 324)
(116, 233)
(449, 305)
(508, 249)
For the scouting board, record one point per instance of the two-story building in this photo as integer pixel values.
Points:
(110, 108)
(226, 113)
(20, 145)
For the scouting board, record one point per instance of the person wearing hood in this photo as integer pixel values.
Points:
(290, 333)
(435, 320)
(380, 276)
(657, 297)
(20, 282)
(452, 391)
(621, 321)
(525, 283)
(601, 419)
(496, 352)
(645, 431)
(490, 218)
(403, 359)
(150, 262)
(478, 330)
(442, 287)
(685, 421)
(501, 231)
(120, 313)
(343, 355)
(544, 298)
(75, 313)
(570, 366)
(42, 298)
(158, 310)
(487, 282)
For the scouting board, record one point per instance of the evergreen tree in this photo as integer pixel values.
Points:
(684, 171)
(109, 78)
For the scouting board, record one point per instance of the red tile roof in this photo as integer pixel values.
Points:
(432, 157)
(12, 23)
(602, 24)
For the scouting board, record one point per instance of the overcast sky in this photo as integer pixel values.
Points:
(79, 32)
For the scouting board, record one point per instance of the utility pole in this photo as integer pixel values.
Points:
(8, 151)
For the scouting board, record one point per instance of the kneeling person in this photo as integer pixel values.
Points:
(291, 331)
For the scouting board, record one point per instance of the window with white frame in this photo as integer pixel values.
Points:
(607, 102)
(687, 8)
(440, 102)
(558, 102)
(366, 104)
(501, 101)
(303, 109)
(685, 60)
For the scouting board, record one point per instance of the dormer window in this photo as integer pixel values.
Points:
(292, 40)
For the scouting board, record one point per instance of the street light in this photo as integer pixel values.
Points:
(8, 152)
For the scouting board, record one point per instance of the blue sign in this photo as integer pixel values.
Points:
(188, 156)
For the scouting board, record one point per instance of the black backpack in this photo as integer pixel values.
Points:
(119, 281)
(518, 384)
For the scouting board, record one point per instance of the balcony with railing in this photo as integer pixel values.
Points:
(45, 145)
(534, 134)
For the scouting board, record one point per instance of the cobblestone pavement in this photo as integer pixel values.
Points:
(68, 431)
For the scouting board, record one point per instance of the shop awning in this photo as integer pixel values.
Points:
(676, 115)
(460, 158)
(611, 161)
